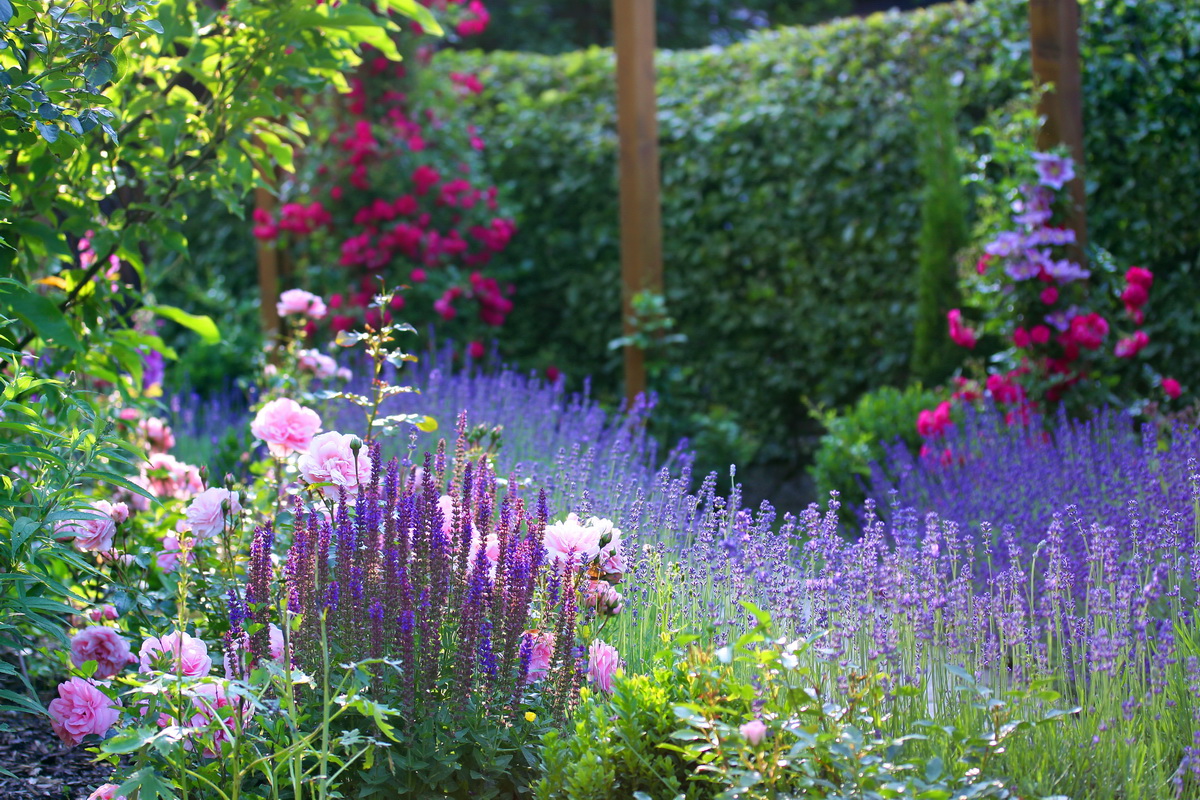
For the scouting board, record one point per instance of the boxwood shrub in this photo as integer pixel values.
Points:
(791, 191)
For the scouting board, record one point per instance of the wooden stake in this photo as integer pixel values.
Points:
(1054, 36)
(641, 212)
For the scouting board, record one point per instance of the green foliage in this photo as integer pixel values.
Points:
(791, 191)
(53, 442)
(943, 231)
(687, 731)
(557, 26)
(854, 438)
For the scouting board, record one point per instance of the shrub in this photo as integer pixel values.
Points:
(791, 190)
(943, 231)
(855, 439)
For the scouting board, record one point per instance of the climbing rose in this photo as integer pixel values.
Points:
(960, 333)
(81, 709)
(103, 645)
(286, 426)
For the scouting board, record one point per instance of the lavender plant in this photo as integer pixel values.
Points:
(436, 572)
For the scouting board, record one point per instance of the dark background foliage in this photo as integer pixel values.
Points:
(791, 194)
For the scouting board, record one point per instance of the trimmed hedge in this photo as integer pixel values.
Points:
(791, 191)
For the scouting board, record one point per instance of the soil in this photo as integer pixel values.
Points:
(43, 766)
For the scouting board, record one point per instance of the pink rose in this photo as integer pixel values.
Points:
(754, 731)
(118, 512)
(331, 460)
(158, 433)
(298, 301)
(214, 716)
(601, 596)
(103, 645)
(1172, 388)
(286, 426)
(317, 363)
(93, 533)
(276, 634)
(102, 613)
(169, 477)
(571, 540)
(81, 709)
(603, 662)
(106, 792)
(175, 652)
(206, 515)
(541, 651)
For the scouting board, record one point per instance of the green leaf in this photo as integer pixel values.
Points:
(201, 324)
(38, 312)
(6, 12)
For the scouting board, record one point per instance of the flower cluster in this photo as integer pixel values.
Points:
(1061, 332)
(443, 572)
(394, 192)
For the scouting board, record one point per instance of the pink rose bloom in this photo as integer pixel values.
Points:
(128, 414)
(81, 709)
(286, 426)
(118, 512)
(175, 652)
(1172, 388)
(317, 363)
(106, 792)
(542, 650)
(344, 374)
(105, 646)
(174, 550)
(214, 716)
(102, 613)
(754, 731)
(276, 634)
(601, 596)
(298, 301)
(571, 540)
(169, 477)
(158, 433)
(330, 459)
(603, 662)
(206, 515)
(94, 534)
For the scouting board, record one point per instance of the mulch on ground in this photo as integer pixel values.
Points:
(43, 766)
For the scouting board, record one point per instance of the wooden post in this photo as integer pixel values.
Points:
(1054, 36)
(268, 270)
(641, 212)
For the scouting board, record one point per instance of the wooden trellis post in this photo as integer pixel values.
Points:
(1054, 36)
(637, 126)
(268, 269)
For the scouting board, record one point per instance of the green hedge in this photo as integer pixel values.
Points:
(791, 191)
